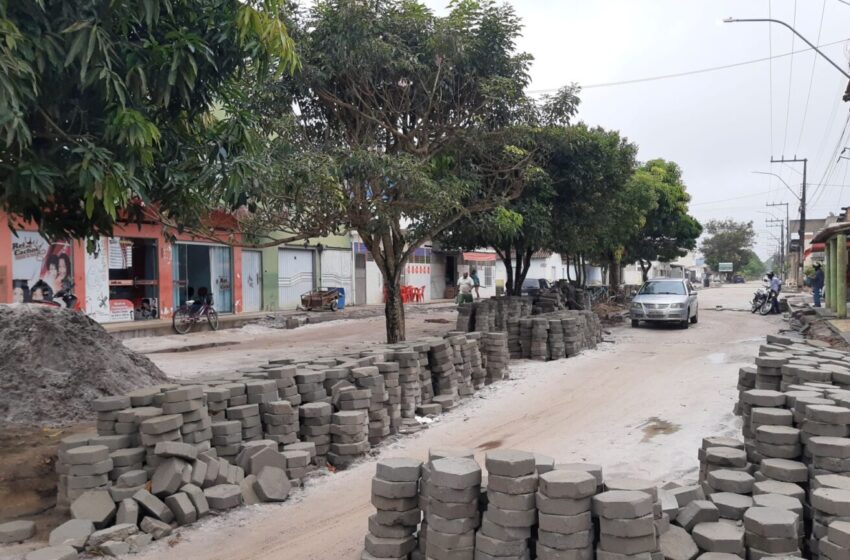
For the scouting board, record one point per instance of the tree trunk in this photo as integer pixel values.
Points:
(394, 312)
(569, 274)
(505, 255)
(614, 272)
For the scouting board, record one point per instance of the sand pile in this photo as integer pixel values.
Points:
(54, 362)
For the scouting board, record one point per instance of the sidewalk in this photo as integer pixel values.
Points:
(163, 327)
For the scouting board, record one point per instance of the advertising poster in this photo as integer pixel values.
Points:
(41, 272)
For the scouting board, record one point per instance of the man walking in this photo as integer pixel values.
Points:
(817, 284)
(476, 282)
(464, 289)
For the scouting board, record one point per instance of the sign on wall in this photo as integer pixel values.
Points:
(41, 271)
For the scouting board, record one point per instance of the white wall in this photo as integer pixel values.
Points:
(374, 284)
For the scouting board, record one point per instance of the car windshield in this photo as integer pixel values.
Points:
(531, 283)
(663, 288)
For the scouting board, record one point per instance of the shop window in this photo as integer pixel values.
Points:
(488, 276)
(133, 278)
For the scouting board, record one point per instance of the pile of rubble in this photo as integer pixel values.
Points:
(532, 333)
(781, 491)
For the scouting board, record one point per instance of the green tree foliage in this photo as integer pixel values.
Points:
(105, 105)
(409, 110)
(668, 231)
(728, 241)
(754, 268)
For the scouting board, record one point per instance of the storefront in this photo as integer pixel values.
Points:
(200, 269)
(122, 281)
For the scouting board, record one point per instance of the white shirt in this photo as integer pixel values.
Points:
(465, 285)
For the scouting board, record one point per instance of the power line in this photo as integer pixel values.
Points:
(728, 199)
(690, 72)
(790, 80)
(827, 173)
(811, 79)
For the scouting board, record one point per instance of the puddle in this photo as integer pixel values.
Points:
(655, 426)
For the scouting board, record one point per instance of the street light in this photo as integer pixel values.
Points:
(781, 179)
(794, 31)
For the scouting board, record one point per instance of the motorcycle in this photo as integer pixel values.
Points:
(762, 301)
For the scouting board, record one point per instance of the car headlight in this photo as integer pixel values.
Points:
(677, 306)
(637, 306)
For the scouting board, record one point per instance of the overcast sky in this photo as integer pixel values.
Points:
(715, 125)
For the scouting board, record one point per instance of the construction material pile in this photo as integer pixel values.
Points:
(532, 334)
(55, 362)
(781, 491)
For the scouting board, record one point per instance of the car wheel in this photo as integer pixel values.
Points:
(695, 318)
(635, 323)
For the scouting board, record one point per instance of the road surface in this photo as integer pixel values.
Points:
(639, 406)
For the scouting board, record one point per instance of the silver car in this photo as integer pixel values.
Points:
(668, 300)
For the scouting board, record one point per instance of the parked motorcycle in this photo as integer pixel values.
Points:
(762, 301)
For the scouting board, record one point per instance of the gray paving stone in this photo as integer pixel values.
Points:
(628, 546)
(622, 504)
(265, 458)
(272, 485)
(725, 480)
(778, 487)
(388, 489)
(730, 505)
(571, 484)
(513, 485)
(16, 531)
(628, 528)
(74, 532)
(114, 548)
(185, 451)
(223, 496)
(595, 470)
(559, 506)
(389, 548)
(726, 456)
(771, 523)
(155, 528)
(161, 424)
(398, 469)
(510, 462)
(96, 506)
(168, 477)
(115, 533)
(698, 511)
(564, 524)
(686, 494)
(198, 499)
(182, 507)
(832, 501)
(448, 541)
(128, 512)
(719, 537)
(677, 544)
(505, 533)
(830, 446)
(131, 479)
(455, 473)
(86, 455)
(784, 470)
(489, 545)
(839, 533)
(53, 553)
(153, 506)
(633, 484)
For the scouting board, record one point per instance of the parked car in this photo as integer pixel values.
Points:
(667, 300)
(532, 286)
(738, 279)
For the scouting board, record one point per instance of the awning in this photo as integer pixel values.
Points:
(479, 256)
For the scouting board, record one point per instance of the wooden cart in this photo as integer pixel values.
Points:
(320, 299)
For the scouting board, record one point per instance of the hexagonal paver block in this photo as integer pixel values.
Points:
(730, 505)
(395, 490)
(182, 508)
(196, 496)
(223, 496)
(435, 453)
(543, 463)
(698, 511)
(96, 506)
(266, 457)
(509, 462)
(832, 501)
(677, 544)
(826, 446)
(53, 553)
(153, 506)
(86, 455)
(168, 477)
(74, 532)
(272, 485)
(726, 456)
(725, 480)
(686, 494)
(398, 469)
(764, 397)
(829, 414)
(778, 435)
(777, 487)
(574, 485)
(832, 481)
(633, 484)
(185, 451)
(839, 533)
(455, 473)
(771, 523)
(595, 470)
(16, 531)
(771, 416)
(628, 528)
(779, 501)
(114, 533)
(622, 504)
(389, 548)
(784, 470)
(719, 537)
(155, 528)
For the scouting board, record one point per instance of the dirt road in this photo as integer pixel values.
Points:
(639, 406)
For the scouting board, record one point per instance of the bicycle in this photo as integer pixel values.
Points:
(193, 312)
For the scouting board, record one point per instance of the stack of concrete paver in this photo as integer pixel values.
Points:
(496, 356)
(564, 509)
(771, 531)
(511, 508)
(349, 434)
(280, 421)
(426, 384)
(441, 361)
(514, 344)
(452, 515)
(248, 416)
(557, 346)
(395, 491)
(315, 428)
(626, 524)
(539, 338)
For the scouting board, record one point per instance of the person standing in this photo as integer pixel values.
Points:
(464, 289)
(476, 283)
(775, 288)
(817, 284)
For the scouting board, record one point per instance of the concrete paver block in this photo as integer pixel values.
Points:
(86, 455)
(563, 524)
(725, 480)
(153, 506)
(223, 496)
(196, 496)
(832, 501)
(771, 523)
(182, 508)
(138, 541)
(272, 485)
(114, 548)
(16, 531)
(698, 511)
(686, 494)
(155, 528)
(74, 532)
(827, 446)
(633, 484)
(628, 528)
(510, 462)
(784, 470)
(128, 512)
(677, 544)
(389, 548)
(387, 489)
(557, 506)
(778, 487)
(185, 451)
(168, 477)
(265, 458)
(595, 470)
(620, 545)
(458, 473)
(719, 537)
(114, 533)
(398, 469)
(53, 553)
(567, 484)
(839, 533)
(726, 456)
(624, 504)
(511, 485)
(96, 506)
(730, 505)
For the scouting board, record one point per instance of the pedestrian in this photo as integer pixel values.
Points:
(817, 284)
(476, 283)
(464, 289)
(775, 288)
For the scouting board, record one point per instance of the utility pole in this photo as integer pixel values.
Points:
(781, 224)
(787, 246)
(802, 229)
